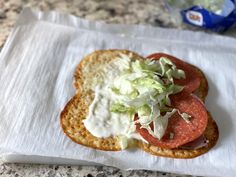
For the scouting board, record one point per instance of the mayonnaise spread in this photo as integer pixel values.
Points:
(100, 121)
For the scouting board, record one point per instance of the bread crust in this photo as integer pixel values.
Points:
(76, 109)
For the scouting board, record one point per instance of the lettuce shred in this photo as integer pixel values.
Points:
(144, 88)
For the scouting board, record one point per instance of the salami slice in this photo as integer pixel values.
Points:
(192, 81)
(182, 131)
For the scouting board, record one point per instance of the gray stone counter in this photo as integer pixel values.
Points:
(148, 12)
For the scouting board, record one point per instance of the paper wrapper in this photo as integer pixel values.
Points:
(36, 72)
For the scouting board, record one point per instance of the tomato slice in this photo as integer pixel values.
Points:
(193, 79)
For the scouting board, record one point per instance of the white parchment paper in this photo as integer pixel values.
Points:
(36, 71)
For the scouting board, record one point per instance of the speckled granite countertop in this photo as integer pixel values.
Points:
(149, 12)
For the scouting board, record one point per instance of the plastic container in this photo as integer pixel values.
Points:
(216, 15)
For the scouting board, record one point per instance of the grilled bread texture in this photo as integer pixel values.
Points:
(87, 74)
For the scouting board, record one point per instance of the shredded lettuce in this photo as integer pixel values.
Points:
(160, 124)
(144, 88)
(169, 70)
(120, 108)
(144, 110)
(171, 135)
(185, 116)
(149, 83)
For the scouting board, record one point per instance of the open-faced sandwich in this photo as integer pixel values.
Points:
(155, 103)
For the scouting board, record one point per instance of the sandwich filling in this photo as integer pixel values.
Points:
(131, 89)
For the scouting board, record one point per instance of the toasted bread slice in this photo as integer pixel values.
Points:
(71, 121)
(87, 74)
(85, 79)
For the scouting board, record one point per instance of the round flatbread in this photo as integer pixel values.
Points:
(192, 81)
(182, 131)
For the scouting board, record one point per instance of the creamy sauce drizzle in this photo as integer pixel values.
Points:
(100, 121)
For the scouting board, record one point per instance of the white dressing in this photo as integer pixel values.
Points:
(100, 121)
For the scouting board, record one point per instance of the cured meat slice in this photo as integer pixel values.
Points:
(196, 144)
(182, 131)
(192, 81)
